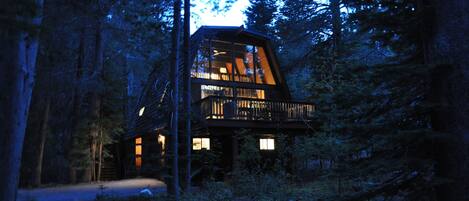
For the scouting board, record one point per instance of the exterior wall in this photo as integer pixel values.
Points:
(152, 158)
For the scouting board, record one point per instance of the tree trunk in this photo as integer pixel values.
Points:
(17, 68)
(40, 154)
(447, 47)
(187, 93)
(76, 102)
(174, 74)
(100, 155)
(95, 108)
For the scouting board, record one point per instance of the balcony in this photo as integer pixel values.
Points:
(229, 108)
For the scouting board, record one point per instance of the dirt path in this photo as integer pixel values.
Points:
(88, 192)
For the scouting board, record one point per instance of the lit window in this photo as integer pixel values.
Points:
(161, 141)
(266, 144)
(140, 113)
(201, 143)
(138, 152)
(223, 70)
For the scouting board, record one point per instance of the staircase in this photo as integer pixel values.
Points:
(109, 171)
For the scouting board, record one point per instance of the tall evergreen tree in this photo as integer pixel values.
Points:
(19, 37)
(260, 15)
(174, 76)
(187, 94)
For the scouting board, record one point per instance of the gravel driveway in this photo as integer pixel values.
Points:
(88, 192)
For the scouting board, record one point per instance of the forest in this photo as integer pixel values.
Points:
(386, 83)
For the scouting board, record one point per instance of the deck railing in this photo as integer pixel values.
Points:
(217, 107)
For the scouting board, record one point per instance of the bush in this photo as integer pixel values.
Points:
(211, 191)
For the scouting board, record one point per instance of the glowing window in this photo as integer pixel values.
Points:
(201, 143)
(223, 70)
(138, 152)
(161, 141)
(140, 112)
(266, 144)
(138, 162)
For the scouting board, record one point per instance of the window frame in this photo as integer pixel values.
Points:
(265, 145)
(204, 143)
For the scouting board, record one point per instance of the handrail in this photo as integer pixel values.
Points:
(256, 99)
(220, 107)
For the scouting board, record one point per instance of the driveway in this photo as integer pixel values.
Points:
(88, 192)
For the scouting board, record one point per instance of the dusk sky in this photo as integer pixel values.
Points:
(202, 14)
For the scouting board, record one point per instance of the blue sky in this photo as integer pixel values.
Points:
(202, 14)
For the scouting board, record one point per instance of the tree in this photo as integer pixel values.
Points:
(260, 15)
(20, 41)
(174, 76)
(444, 24)
(187, 93)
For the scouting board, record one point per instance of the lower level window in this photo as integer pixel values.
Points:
(138, 152)
(200, 143)
(266, 144)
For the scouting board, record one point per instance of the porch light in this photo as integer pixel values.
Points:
(161, 141)
(140, 112)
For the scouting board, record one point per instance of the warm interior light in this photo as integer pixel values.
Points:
(216, 53)
(138, 152)
(200, 143)
(140, 113)
(138, 149)
(138, 140)
(161, 141)
(214, 76)
(266, 144)
(223, 70)
(138, 162)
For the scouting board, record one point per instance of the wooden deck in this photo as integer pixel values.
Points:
(254, 110)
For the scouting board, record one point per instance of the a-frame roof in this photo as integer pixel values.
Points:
(154, 95)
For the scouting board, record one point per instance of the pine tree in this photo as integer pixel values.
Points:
(260, 15)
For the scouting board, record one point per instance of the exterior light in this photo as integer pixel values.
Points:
(140, 112)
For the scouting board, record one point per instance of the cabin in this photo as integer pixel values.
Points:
(236, 85)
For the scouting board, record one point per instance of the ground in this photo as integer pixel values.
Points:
(88, 192)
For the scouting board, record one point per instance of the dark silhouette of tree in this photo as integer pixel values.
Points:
(19, 37)
(174, 107)
(187, 94)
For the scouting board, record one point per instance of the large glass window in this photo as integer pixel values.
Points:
(212, 90)
(228, 61)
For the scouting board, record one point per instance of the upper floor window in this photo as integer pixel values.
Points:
(228, 61)
(213, 90)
